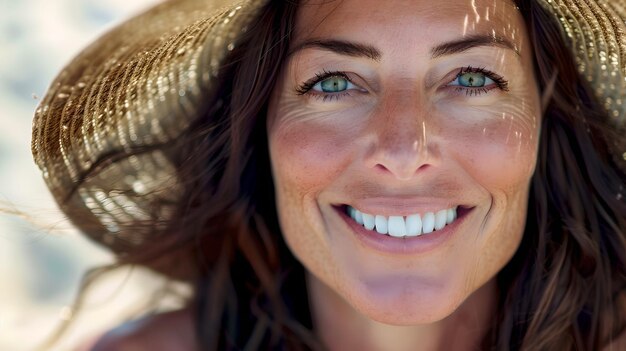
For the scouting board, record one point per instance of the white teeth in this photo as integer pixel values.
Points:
(440, 219)
(381, 224)
(413, 225)
(450, 215)
(368, 221)
(428, 223)
(409, 226)
(397, 228)
(358, 217)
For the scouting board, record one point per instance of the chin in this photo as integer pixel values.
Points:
(406, 304)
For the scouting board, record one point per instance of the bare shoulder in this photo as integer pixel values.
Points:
(171, 331)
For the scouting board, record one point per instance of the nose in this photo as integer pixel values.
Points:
(404, 142)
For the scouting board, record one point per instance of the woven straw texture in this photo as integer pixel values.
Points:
(139, 85)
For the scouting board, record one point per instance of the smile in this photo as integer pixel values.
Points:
(404, 226)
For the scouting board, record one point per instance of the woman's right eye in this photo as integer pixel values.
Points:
(333, 84)
(328, 86)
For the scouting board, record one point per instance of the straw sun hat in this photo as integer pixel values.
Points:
(146, 80)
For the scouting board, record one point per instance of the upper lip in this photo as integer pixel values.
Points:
(395, 206)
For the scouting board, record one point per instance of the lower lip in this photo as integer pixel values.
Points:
(407, 245)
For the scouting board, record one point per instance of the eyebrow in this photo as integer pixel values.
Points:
(341, 47)
(353, 49)
(472, 41)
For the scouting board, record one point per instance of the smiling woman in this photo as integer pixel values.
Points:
(356, 174)
(382, 129)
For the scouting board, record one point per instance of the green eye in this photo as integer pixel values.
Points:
(334, 84)
(472, 79)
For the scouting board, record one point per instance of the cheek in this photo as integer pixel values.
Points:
(498, 145)
(307, 155)
(307, 150)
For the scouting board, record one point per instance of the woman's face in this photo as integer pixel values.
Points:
(403, 136)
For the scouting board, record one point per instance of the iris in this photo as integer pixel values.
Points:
(333, 84)
(472, 79)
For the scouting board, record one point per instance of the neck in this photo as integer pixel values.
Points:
(341, 327)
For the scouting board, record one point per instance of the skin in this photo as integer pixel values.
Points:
(404, 131)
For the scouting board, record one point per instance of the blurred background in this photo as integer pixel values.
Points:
(42, 259)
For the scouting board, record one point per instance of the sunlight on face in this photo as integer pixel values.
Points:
(404, 110)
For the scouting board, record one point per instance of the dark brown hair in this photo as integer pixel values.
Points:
(558, 292)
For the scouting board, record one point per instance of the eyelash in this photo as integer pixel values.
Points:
(306, 87)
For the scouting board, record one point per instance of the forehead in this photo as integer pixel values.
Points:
(409, 22)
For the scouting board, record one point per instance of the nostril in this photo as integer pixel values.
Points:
(423, 167)
(402, 171)
(382, 168)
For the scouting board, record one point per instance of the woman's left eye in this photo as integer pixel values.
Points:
(472, 79)
(476, 81)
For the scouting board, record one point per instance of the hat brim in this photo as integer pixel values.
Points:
(138, 86)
